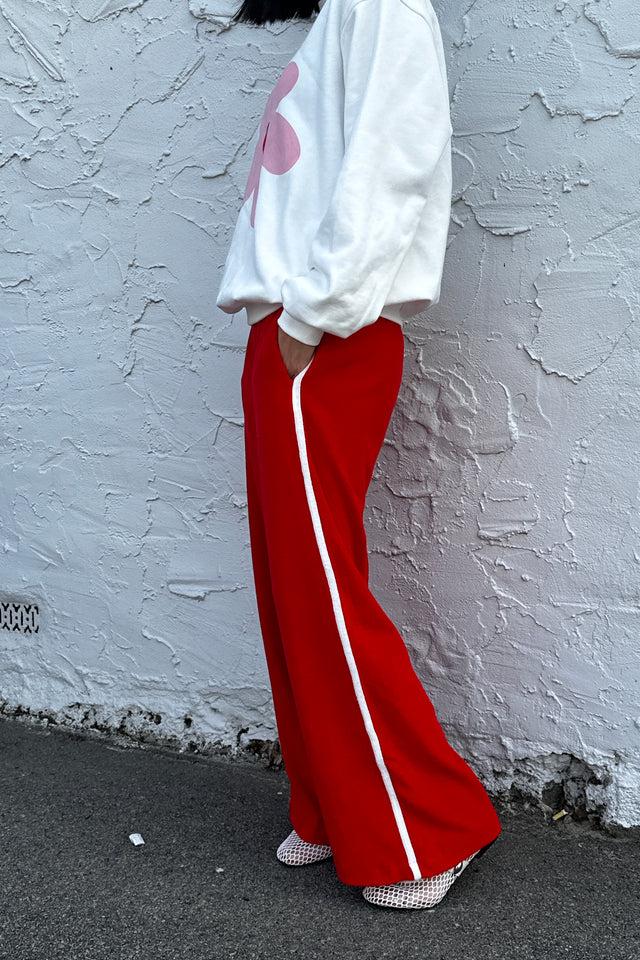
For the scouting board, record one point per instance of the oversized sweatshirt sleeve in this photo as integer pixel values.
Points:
(396, 126)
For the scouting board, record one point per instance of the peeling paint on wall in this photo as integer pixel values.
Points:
(503, 515)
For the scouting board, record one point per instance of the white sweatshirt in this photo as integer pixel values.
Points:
(346, 209)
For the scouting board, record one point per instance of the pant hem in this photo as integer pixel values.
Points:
(434, 867)
(306, 837)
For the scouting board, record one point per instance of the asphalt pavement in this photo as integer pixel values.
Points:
(206, 883)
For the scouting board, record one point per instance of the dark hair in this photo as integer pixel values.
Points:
(268, 11)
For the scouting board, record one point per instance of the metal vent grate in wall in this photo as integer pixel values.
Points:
(19, 617)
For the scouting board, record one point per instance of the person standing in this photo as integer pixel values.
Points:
(340, 237)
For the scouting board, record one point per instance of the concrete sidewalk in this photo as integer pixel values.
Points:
(206, 884)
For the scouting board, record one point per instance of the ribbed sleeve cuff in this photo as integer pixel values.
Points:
(301, 331)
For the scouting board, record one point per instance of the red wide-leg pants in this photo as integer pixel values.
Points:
(370, 770)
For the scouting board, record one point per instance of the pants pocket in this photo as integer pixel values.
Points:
(279, 358)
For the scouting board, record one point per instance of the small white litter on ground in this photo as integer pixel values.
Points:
(136, 839)
(219, 869)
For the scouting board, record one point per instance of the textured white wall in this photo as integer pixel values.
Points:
(503, 519)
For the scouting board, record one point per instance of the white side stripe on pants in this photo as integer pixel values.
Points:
(342, 627)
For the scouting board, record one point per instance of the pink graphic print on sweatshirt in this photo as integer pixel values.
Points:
(278, 147)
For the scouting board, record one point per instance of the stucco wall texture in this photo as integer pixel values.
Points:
(503, 517)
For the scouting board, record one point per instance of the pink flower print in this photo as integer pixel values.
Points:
(278, 147)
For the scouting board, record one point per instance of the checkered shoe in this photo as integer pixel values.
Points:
(296, 852)
(423, 894)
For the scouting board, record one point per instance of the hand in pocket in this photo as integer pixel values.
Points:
(295, 354)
